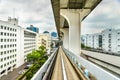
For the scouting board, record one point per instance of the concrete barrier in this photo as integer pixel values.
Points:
(95, 70)
(40, 73)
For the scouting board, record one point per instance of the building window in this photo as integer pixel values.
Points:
(4, 28)
(118, 51)
(4, 65)
(109, 46)
(7, 51)
(7, 28)
(4, 52)
(15, 30)
(5, 40)
(2, 60)
(7, 34)
(109, 35)
(1, 46)
(10, 29)
(109, 50)
(8, 63)
(1, 40)
(1, 27)
(4, 34)
(118, 32)
(1, 66)
(1, 53)
(109, 41)
(1, 33)
(109, 29)
(118, 45)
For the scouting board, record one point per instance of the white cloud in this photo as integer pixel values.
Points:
(36, 12)
(105, 15)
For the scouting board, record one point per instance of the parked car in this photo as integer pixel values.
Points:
(21, 72)
(27, 66)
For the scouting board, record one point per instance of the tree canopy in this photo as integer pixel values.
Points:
(36, 55)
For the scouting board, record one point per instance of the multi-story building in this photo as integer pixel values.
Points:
(29, 42)
(89, 40)
(32, 28)
(83, 39)
(53, 34)
(43, 40)
(92, 40)
(97, 41)
(9, 48)
(108, 40)
(118, 41)
(46, 32)
(15, 44)
(111, 40)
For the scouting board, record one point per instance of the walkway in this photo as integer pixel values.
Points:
(14, 74)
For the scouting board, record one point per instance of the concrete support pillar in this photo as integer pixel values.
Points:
(6, 72)
(11, 69)
(74, 32)
(66, 37)
(73, 18)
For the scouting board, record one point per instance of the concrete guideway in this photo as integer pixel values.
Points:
(64, 61)
(57, 72)
(68, 73)
(114, 60)
(109, 62)
(71, 73)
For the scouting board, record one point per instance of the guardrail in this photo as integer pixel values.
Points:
(99, 73)
(45, 70)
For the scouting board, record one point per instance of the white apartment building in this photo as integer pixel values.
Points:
(9, 34)
(108, 40)
(111, 40)
(92, 40)
(83, 39)
(118, 41)
(15, 44)
(29, 42)
(43, 40)
(89, 40)
(97, 41)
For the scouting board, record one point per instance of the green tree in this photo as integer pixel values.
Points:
(87, 47)
(37, 55)
(33, 57)
(42, 50)
(38, 58)
(29, 75)
(82, 45)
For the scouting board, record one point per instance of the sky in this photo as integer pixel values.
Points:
(29, 12)
(105, 15)
(39, 13)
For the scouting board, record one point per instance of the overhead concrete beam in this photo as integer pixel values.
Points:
(62, 20)
(63, 3)
(86, 6)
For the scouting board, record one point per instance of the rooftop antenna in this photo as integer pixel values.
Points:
(13, 12)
